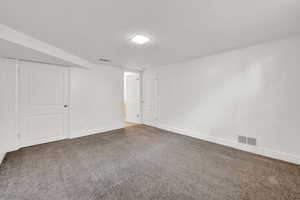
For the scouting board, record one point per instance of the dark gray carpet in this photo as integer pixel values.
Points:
(143, 163)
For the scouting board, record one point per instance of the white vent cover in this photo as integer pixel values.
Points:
(247, 140)
(242, 139)
(251, 141)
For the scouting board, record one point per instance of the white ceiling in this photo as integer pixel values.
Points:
(180, 30)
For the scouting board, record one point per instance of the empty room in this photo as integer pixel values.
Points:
(150, 100)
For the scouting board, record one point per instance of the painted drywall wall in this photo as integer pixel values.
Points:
(253, 92)
(96, 100)
(8, 134)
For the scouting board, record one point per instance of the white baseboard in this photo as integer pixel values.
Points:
(149, 123)
(5, 150)
(74, 134)
(2, 155)
(253, 149)
(104, 128)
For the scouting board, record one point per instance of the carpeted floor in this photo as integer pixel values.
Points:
(144, 163)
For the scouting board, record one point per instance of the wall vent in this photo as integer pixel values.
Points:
(242, 139)
(247, 140)
(251, 141)
(104, 60)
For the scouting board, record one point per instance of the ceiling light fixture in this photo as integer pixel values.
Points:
(140, 39)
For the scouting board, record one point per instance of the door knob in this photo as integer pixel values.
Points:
(65, 106)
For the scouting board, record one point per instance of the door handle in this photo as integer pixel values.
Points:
(65, 106)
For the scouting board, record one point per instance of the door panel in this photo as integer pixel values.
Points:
(43, 94)
(133, 106)
(149, 99)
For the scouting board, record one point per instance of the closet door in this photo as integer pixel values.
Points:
(43, 103)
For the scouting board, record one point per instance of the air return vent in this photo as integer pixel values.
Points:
(247, 140)
(242, 139)
(104, 60)
(251, 141)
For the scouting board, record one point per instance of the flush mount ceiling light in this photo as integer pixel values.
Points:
(140, 39)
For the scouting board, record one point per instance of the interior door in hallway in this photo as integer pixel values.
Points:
(43, 100)
(150, 95)
(132, 98)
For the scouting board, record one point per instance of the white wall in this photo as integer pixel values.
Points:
(7, 105)
(253, 91)
(96, 99)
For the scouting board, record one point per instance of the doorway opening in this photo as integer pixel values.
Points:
(132, 98)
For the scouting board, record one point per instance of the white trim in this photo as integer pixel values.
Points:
(252, 149)
(11, 35)
(36, 61)
(17, 107)
(77, 134)
(67, 93)
(5, 150)
(13, 148)
(2, 156)
(104, 128)
(141, 97)
(41, 141)
(149, 123)
(69, 102)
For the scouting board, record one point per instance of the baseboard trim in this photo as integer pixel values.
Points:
(256, 150)
(102, 129)
(77, 134)
(149, 123)
(5, 150)
(2, 156)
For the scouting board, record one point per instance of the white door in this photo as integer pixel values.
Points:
(150, 99)
(132, 98)
(43, 103)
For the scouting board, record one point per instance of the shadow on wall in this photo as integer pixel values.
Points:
(217, 108)
(252, 92)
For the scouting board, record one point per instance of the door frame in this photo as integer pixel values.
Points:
(67, 135)
(141, 92)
